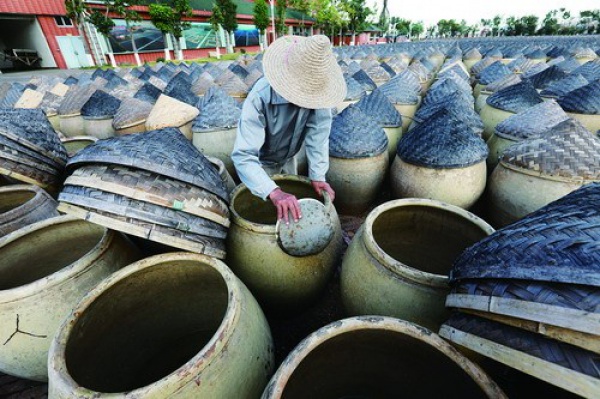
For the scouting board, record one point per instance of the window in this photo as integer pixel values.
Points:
(63, 21)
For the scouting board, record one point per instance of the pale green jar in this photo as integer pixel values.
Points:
(177, 325)
(399, 260)
(279, 281)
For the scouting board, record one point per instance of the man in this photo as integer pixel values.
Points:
(291, 105)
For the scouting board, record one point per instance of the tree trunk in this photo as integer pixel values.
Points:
(177, 48)
(232, 42)
(266, 39)
(353, 42)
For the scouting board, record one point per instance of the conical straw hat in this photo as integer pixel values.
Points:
(303, 70)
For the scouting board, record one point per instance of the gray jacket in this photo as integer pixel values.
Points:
(271, 130)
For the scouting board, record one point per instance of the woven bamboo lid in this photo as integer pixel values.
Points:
(565, 85)
(445, 88)
(444, 141)
(100, 105)
(567, 151)
(531, 122)
(234, 86)
(148, 92)
(169, 112)
(365, 80)
(131, 112)
(75, 99)
(355, 134)
(495, 71)
(583, 100)
(179, 88)
(515, 98)
(457, 104)
(165, 151)
(557, 243)
(218, 111)
(378, 107)
(354, 91)
(30, 99)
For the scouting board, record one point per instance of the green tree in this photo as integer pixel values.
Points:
(357, 13)
(216, 20)
(302, 6)
(416, 29)
(327, 16)
(169, 19)
(590, 20)
(261, 20)
(229, 11)
(280, 14)
(496, 22)
(403, 26)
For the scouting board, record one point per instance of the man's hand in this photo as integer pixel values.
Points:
(285, 203)
(321, 186)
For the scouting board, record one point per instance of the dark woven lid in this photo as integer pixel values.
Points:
(148, 92)
(12, 95)
(378, 107)
(559, 242)
(179, 87)
(234, 86)
(354, 90)
(454, 70)
(202, 83)
(567, 151)
(444, 141)
(355, 134)
(494, 53)
(531, 122)
(515, 98)
(391, 72)
(536, 54)
(239, 70)
(561, 87)
(583, 100)
(442, 89)
(30, 128)
(354, 67)
(50, 103)
(397, 92)
(75, 98)
(406, 80)
(501, 83)
(365, 80)
(100, 105)
(252, 78)
(218, 110)
(71, 80)
(472, 54)
(458, 105)
(481, 65)
(590, 70)
(131, 112)
(493, 72)
(164, 151)
(542, 79)
(568, 65)
(418, 69)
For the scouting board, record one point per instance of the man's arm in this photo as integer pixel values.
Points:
(317, 149)
(248, 142)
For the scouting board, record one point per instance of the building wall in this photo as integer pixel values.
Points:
(51, 30)
(187, 54)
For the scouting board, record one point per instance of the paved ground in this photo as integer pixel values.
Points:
(24, 76)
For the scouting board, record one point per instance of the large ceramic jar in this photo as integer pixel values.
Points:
(279, 281)
(440, 159)
(542, 169)
(46, 269)
(488, 90)
(22, 205)
(358, 160)
(69, 112)
(399, 260)
(378, 357)
(176, 325)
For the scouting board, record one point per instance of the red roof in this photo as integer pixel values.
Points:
(36, 7)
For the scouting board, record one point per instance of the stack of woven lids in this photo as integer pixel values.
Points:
(30, 150)
(153, 185)
(529, 294)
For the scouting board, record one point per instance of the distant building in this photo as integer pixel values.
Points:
(42, 25)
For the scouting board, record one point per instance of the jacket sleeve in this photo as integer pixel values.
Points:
(317, 144)
(248, 142)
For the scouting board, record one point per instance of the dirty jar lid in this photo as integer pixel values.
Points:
(311, 234)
